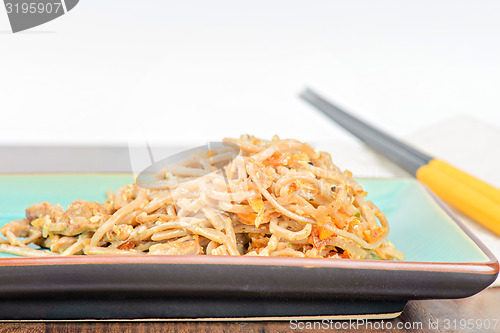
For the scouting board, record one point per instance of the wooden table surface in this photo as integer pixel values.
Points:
(446, 316)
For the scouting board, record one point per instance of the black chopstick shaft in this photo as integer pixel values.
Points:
(405, 156)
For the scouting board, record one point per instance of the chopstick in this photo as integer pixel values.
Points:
(402, 154)
(473, 197)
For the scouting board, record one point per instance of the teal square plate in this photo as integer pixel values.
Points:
(443, 260)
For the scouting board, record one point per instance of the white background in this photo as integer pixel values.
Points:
(190, 71)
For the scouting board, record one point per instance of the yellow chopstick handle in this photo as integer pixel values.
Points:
(468, 194)
(478, 185)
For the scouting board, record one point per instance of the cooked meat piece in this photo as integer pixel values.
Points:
(82, 216)
(177, 247)
(43, 208)
(61, 243)
(119, 232)
(20, 228)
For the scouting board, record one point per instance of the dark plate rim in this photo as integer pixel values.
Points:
(491, 267)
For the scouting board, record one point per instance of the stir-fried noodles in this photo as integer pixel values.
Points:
(275, 198)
